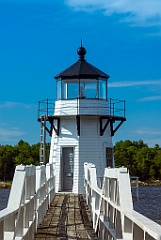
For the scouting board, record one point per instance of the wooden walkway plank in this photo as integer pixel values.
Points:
(68, 218)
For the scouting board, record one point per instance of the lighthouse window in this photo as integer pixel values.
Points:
(91, 90)
(65, 90)
(102, 89)
(82, 93)
(72, 90)
(109, 157)
(88, 88)
(82, 88)
(58, 89)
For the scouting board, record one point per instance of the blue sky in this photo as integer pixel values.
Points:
(39, 38)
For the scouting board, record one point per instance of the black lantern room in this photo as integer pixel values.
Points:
(81, 80)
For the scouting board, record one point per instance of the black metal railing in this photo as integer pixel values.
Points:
(46, 107)
(114, 107)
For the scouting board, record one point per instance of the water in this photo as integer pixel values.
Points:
(4, 194)
(149, 203)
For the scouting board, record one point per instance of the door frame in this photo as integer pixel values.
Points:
(62, 167)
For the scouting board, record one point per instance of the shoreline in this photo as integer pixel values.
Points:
(154, 183)
(5, 185)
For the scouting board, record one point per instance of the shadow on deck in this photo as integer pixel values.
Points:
(67, 218)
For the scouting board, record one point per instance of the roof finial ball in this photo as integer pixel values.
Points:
(81, 51)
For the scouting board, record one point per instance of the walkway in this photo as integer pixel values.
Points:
(67, 218)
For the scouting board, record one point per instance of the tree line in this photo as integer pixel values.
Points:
(141, 160)
(22, 153)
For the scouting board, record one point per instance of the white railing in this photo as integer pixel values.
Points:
(32, 191)
(112, 208)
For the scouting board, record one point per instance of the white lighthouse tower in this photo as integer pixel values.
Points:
(82, 125)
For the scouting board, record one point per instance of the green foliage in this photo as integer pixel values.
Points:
(22, 153)
(141, 160)
(7, 155)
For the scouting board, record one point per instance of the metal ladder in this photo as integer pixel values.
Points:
(43, 140)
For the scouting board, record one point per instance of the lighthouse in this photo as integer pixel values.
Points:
(82, 124)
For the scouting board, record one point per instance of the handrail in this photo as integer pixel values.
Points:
(47, 106)
(112, 208)
(32, 191)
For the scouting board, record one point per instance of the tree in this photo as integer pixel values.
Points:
(7, 155)
(23, 154)
(141, 160)
(157, 163)
(35, 148)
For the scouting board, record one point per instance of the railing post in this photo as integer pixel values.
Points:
(136, 186)
(38, 177)
(18, 181)
(38, 109)
(124, 109)
(113, 109)
(47, 106)
(110, 106)
(2, 230)
(125, 193)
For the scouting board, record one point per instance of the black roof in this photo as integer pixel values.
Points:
(82, 69)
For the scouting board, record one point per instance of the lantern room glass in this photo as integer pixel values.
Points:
(102, 89)
(82, 88)
(58, 89)
(88, 88)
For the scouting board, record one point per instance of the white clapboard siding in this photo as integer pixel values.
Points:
(92, 145)
(89, 146)
(67, 138)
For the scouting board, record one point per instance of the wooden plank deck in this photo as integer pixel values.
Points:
(67, 218)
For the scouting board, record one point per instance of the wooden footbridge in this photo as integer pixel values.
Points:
(36, 212)
(67, 218)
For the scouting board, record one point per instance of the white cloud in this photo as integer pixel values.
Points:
(138, 12)
(150, 136)
(155, 86)
(152, 142)
(134, 83)
(10, 134)
(8, 104)
(27, 1)
(148, 131)
(151, 98)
